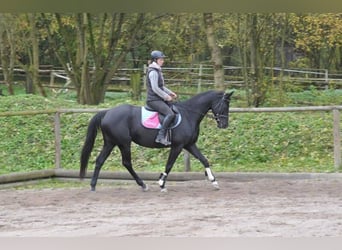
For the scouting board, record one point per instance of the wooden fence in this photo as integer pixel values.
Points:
(200, 75)
(336, 118)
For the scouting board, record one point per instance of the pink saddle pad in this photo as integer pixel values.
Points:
(150, 119)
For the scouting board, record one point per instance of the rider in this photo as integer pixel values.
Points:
(158, 96)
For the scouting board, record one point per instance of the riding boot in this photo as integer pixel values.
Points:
(161, 137)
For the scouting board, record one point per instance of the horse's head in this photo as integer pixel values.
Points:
(220, 109)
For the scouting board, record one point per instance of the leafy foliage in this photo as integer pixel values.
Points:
(319, 37)
(271, 142)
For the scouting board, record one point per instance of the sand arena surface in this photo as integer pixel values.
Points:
(241, 208)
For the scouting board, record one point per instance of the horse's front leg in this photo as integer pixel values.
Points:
(174, 153)
(198, 155)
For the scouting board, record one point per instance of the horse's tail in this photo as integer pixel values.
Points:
(93, 127)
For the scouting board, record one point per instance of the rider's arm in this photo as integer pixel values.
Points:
(169, 92)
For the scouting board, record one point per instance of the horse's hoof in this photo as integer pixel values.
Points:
(216, 185)
(92, 189)
(163, 190)
(144, 188)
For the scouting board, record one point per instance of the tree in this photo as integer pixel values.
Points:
(257, 38)
(26, 49)
(319, 37)
(216, 55)
(7, 49)
(20, 45)
(248, 38)
(33, 68)
(93, 47)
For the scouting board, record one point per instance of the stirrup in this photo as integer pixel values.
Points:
(163, 141)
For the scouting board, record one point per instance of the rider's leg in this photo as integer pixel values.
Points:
(164, 109)
(161, 137)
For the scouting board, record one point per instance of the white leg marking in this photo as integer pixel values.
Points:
(210, 174)
(162, 179)
(161, 182)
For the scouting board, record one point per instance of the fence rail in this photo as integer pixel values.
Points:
(203, 74)
(336, 118)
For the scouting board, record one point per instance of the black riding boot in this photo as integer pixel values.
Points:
(161, 137)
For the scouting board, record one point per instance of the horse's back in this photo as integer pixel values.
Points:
(122, 124)
(119, 114)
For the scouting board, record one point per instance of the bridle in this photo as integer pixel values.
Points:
(217, 115)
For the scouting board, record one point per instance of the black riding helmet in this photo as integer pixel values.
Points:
(156, 54)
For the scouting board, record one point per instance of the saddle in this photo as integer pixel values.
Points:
(152, 119)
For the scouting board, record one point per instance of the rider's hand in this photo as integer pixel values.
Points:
(169, 98)
(174, 96)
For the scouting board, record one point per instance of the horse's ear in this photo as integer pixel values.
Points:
(228, 95)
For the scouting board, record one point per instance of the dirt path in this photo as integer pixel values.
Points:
(253, 208)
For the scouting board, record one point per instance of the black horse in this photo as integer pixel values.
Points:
(121, 126)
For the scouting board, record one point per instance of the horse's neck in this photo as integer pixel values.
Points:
(197, 108)
(199, 104)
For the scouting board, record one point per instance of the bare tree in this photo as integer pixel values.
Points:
(34, 64)
(254, 58)
(216, 56)
(102, 43)
(7, 49)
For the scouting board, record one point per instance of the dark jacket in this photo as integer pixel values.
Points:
(159, 92)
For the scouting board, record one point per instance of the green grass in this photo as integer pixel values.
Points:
(316, 97)
(254, 142)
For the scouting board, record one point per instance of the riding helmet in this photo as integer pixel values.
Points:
(157, 54)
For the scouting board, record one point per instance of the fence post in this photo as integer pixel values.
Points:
(187, 163)
(326, 76)
(135, 85)
(52, 78)
(200, 74)
(144, 74)
(57, 121)
(337, 139)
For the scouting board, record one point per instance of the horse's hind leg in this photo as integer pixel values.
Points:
(101, 158)
(127, 162)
